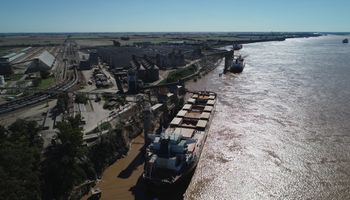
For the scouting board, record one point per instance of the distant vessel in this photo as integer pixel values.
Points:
(175, 152)
(237, 65)
(233, 63)
(345, 41)
(237, 46)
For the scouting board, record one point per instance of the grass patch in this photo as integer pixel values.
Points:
(46, 83)
(105, 126)
(179, 74)
(13, 77)
(31, 40)
(102, 127)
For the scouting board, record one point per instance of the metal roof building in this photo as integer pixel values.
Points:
(11, 57)
(43, 62)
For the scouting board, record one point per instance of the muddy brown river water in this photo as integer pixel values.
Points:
(282, 127)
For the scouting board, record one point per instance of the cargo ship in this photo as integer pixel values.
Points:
(237, 46)
(237, 65)
(174, 154)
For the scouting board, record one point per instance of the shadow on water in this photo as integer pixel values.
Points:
(139, 160)
(143, 191)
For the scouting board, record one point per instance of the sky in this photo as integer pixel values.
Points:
(174, 15)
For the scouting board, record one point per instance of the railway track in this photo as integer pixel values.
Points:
(40, 96)
(70, 79)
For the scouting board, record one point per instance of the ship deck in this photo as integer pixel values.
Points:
(187, 130)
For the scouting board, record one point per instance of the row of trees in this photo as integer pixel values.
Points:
(29, 172)
(20, 149)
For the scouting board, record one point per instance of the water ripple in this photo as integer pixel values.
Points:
(281, 129)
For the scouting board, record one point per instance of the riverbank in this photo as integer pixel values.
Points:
(194, 71)
(121, 179)
(272, 37)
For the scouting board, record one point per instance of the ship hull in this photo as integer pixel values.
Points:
(237, 69)
(162, 187)
(186, 174)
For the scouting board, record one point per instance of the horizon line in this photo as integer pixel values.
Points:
(62, 32)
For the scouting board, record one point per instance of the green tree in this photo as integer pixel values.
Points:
(27, 129)
(111, 147)
(62, 102)
(125, 38)
(65, 165)
(116, 43)
(81, 98)
(20, 161)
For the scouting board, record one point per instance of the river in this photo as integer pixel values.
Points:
(282, 127)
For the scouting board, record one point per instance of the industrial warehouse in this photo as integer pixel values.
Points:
(43, 62)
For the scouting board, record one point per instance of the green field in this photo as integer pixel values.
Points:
(46, 83)
(31, 40)
(106, 39)
(155, 39)
(14, 77)
(180, 74)
(109, 41)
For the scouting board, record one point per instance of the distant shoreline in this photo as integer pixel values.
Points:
(174, 32)
(8, 40)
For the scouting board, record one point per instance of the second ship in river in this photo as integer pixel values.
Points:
(175, 153)
(237, 65)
